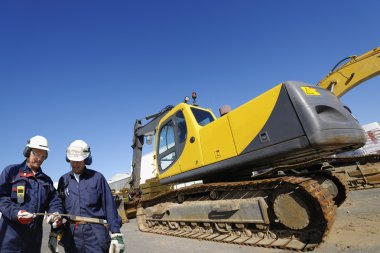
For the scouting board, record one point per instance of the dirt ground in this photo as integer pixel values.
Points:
(356, 229)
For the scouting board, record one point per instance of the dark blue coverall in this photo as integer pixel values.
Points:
(91, 197)
(40, 196)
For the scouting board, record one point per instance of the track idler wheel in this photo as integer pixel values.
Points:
(334, 184)
(292, 211)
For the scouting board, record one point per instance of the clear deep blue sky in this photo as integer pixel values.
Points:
(87, 69)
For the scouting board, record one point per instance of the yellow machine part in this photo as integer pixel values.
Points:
(231, 134)
(357, 70)
(217, 141)
(191, 156)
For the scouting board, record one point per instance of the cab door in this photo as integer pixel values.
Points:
(171, 141)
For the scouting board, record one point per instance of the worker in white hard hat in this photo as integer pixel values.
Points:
(85, 192)
(24, 191)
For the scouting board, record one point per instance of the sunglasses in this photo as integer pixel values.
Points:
(41, 157)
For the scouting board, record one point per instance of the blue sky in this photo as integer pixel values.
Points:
(87, 69)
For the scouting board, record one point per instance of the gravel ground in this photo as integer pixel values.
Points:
(356, 229)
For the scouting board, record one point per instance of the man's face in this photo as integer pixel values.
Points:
(36, 158)
(77, 167)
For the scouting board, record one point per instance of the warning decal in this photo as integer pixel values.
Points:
(310, 91)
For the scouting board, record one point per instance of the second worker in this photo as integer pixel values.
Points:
(85, 192)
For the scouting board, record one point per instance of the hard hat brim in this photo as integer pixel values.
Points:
(38, 147)
(76, 158)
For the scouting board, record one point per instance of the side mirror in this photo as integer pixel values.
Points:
(149, 139)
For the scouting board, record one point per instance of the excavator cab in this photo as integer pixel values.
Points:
(179, 127)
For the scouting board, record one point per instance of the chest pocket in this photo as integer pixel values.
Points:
(92, 196)
(66, 194)
(18, 194)
(46, 190)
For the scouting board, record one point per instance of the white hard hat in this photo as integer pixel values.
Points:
(38, 142)
(77, 151)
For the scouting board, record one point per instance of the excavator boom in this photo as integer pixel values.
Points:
(358, 69)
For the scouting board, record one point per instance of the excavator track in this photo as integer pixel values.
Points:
(294, 213)
(360, 177)
(360, 172)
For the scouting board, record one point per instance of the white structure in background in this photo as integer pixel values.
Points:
(148, 170)
(372, 145)
(119, 181)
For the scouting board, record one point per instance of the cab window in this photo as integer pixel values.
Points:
(166, 151)
(202, 117)
(167, 160)
(182, 130)
(166, 137)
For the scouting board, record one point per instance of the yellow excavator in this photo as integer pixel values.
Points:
(262, 165)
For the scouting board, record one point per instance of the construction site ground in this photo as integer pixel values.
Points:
(356, 229)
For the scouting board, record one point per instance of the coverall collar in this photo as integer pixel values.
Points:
(84, 173)
(24, 168)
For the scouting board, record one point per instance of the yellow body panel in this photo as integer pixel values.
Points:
(217, 142)
(247, 120)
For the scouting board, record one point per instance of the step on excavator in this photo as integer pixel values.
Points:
(266, 169)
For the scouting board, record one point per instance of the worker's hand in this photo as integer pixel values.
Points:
(55, 220)
(25, 217)
(117, 243)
